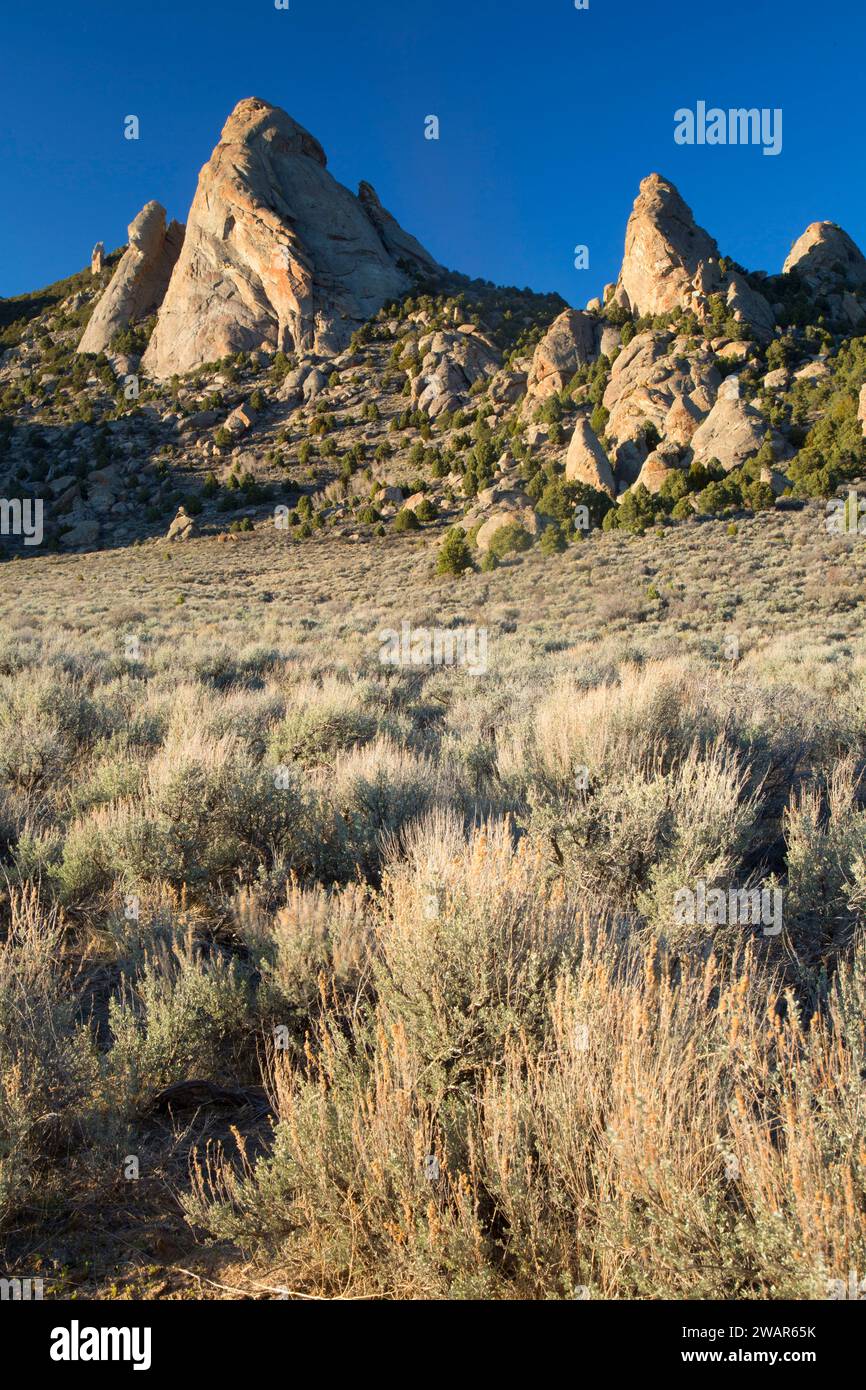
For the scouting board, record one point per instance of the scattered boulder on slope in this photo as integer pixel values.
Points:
(506, 516)
(182, 527)
(496, 507)
(242, 418)
(83, 533)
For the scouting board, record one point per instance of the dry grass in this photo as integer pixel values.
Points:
(242, 851)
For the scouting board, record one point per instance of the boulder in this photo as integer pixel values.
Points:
(634, 368)
(314, 383)
(291, 387)
(139, 283)
(778, 480)
(182, 527)
(122, 364)
(586, 461)
(735, 352)
(200, 420)
(390, 495)
(657, 466)
(506, 387)
(504, 516)
(749, 307)
(85, 532)
(732, 432)
(500, 495)
(812, 371)
(777, 379)
(648, 376)
(537, 434)
(278, 255)
(570, 342)
(109, 478)
(104, 485)
(610, 340)
(451, 363)
(628, 462)
(499, 506)
(241, 418)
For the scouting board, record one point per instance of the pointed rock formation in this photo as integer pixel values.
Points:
(663, 250)
(586, 461)
(825, 254)
(137, 287)
(277, 254)
(570, 342)
(670, 262)
(97, 258)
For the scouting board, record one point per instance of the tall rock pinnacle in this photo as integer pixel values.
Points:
(663, 250)
(670, 262)
(277, 253)
(137, 287)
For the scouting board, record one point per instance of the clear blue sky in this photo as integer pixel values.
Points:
(549, 119)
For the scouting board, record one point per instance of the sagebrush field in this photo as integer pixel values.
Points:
(348, 979)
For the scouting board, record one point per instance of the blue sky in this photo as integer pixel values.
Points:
(549, 118)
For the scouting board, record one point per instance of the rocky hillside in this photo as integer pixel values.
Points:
(291, 356)
(432, 737)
